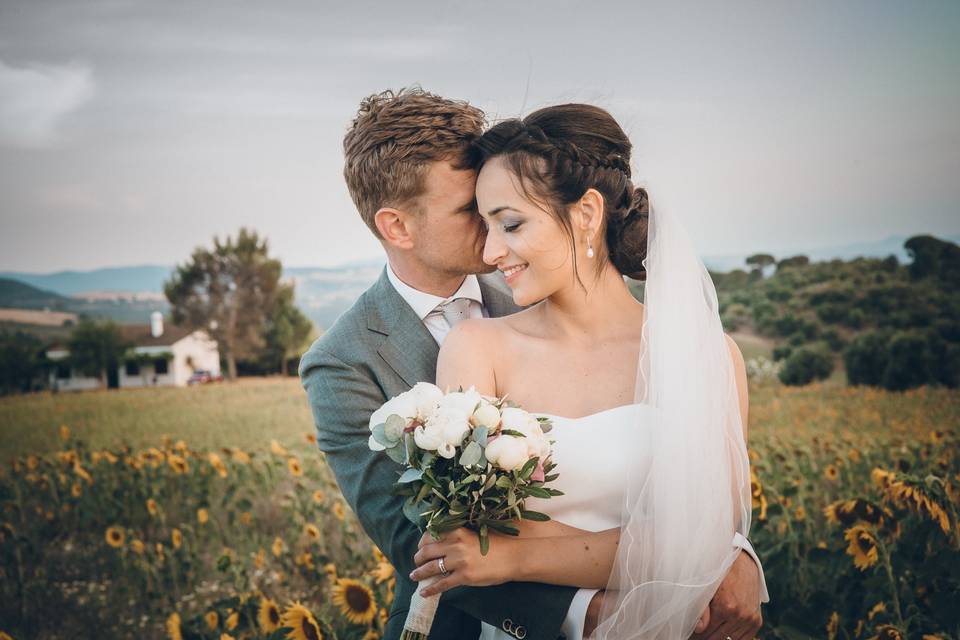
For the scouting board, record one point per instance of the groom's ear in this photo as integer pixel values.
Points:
(589, 212)
(394, 226)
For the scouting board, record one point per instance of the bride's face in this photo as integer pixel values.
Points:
(525, 242)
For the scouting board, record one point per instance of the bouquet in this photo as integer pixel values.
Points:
(470, 461)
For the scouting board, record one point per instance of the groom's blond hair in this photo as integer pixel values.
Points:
(393, 140)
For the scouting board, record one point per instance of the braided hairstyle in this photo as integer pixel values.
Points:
(558, 153)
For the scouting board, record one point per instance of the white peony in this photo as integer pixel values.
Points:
(427, 396)
(507, 452)
(464, 401)
(486, 415)
(538, 444)
(452, 423)
(426, 438)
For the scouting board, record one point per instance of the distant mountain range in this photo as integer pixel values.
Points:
(129, 294)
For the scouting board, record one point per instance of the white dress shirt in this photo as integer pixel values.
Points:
(425, 306)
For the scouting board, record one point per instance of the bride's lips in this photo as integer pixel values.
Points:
(510, 274)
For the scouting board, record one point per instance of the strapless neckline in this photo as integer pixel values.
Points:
(589, 415)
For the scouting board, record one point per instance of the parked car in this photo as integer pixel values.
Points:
(202, 376)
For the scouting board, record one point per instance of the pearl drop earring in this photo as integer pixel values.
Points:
(589, 248)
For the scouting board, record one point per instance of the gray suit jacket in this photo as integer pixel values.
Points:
(376, 350)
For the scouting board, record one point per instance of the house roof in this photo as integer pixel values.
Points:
(139, 335)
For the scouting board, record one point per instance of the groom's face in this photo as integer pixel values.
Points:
(449, 234)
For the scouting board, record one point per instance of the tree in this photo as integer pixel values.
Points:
(287, 330)
(804, 365)
(866, 358)
(759, 262)
(908, 363)
(95, 347)
(792, 262)
(933, 258)
(230, 292)
(22, 362)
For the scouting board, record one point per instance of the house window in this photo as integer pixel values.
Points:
(160, 366)
(63, 371)
(133, 368)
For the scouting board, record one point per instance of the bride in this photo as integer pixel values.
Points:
(651, 456)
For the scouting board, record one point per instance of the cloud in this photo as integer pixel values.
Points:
(34, 100)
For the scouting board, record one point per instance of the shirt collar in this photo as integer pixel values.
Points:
(423, 303)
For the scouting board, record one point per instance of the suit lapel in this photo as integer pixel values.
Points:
(496, 296)
(409, 349)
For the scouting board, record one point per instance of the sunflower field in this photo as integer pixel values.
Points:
(209, 513)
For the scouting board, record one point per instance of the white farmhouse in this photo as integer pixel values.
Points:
(159, 357)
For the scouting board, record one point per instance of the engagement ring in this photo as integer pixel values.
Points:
(444, 572)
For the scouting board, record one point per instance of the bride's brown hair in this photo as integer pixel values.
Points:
(558, 153)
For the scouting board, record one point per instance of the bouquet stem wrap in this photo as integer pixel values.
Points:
(422, 611)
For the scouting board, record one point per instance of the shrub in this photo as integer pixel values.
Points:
(866, 358)
(806, 365)
(908, 363)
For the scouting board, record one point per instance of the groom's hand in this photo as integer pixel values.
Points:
(734, 611)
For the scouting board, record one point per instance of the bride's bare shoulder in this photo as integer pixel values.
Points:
(469, 354)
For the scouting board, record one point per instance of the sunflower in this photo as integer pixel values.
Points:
(33, 462)
(173, 627)
(112, 459)
(338, 510)
(880, 607)
(152, 507)
(176, 538)
(115, 537)
(246, 518)
(355, 600)
(371, 634)
(159, 550)
(831, 473)
(277, 546)
(202, 515)
(305, 559)
(854, 455)
(217, 463)
(277, 449)
(137, 546)
(301, 622)
(212, 618)
(914, 497)
(178, 463)
(180, 446)
(64, 432)
(268, 615)
(882, 478)
(239, 455)
(312, 531)
(5, 636)
(318, 496)
(76, 490)
(863, 547)
(232, 621)
(311, 438)
(800, 513)
(226, 636)
(294, 465)
(80, 471)
(260, 558)
(832, 625)
(888, 632)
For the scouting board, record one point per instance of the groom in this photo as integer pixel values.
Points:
(405, 170)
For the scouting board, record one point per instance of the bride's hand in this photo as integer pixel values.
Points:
(460, 550)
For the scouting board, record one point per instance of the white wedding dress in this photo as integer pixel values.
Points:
(593, 454)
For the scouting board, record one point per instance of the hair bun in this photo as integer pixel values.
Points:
(627, 237)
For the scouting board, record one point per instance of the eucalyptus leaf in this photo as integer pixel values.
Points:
(480, 435)
(397, 453)
(484, 540)
(471, 454)
(412, 511)
(394, 427)
(380, 435)
(512, 432)
(410, 475)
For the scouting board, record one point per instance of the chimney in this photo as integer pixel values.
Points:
(156, 324)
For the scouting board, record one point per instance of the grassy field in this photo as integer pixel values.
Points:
(169, 513)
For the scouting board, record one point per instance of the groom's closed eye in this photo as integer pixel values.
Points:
(470, 207)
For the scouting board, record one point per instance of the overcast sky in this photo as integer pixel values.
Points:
(131, 132)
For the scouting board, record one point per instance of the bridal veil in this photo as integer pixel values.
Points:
(683, 504)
